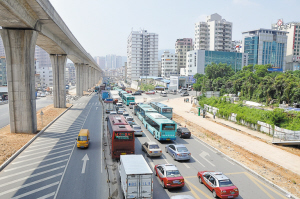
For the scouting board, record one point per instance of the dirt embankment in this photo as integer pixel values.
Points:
(12, 142)
(269, 170)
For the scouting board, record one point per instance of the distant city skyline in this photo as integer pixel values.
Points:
(103, 26)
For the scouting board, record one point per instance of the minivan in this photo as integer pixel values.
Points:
(83, 139)
(163, 94)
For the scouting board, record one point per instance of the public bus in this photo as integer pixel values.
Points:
(163, 109)
(127, 98)
(160, 127)
(122, 136)
(121, 93)
(140, 110)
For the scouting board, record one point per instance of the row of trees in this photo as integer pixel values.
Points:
(252, 82)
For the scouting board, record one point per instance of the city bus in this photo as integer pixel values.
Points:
(140, 110)
(163, 109)
(121, 93)
(127, 98)
(121, 135)
(160, 127)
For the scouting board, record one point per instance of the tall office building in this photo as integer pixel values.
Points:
(181, 47)
(293, 43)
(118, 61)
(142, 54)
(110, 62)
(266, 46)
(215, 34)
(100, 61)
(168, 64)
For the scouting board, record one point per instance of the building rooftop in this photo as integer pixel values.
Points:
(261, 29)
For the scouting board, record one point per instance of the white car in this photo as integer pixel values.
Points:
(163, 94)
(152, 149)
(137, 130)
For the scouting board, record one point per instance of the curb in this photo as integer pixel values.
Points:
(9, 160)
(248, 169)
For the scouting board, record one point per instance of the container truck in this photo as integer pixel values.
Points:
(104, 94)
(136, 177)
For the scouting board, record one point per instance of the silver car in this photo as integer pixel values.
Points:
(178, 151)
(152, 149)
(137, 130)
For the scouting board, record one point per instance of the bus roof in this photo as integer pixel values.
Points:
(144, 105)
(160, 119)
(119, 123)
(160, 105)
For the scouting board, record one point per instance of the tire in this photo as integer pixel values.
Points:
(174, 157)
(166, 150)
(200, 180)
(163, 184)
(142, 148)
(155, 172)
(214, 194)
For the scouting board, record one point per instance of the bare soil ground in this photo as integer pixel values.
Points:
(269, 170)
(12, 142)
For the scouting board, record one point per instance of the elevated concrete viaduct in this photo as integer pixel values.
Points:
(28, 23)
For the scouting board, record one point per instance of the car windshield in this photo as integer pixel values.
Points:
(185, 130)
(225, 183)
(173, 173)
(154, 146)
(182, 149)
(131, 103)
(129, 119)
(137, 128)
(82, 138)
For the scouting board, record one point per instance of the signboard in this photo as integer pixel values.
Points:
(275, 69)
(192, 79)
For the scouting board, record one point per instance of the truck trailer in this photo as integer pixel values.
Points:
(136, 177)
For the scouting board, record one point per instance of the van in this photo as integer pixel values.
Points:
(83, 139)
(131, 104)
(163, 94)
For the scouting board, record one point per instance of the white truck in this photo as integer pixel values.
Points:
(136, 177)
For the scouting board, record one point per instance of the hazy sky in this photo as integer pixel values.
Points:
(102, 26)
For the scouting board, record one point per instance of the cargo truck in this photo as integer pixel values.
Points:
(105, 94)
(136, 177)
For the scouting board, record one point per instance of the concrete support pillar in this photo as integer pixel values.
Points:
(89, 77)
(19, 50)
(95, 77)
(59, 83)
(86, 79)
(79, 79)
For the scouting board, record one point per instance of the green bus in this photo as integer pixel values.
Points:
(140, 109)
(160, 126)
(127, 98)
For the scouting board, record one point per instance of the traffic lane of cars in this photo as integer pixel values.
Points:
(206, 158)
(85, 170)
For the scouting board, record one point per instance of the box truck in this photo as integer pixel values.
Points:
(136, 177)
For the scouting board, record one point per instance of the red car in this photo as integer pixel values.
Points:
(150, 92)
(128, 91)
(168, 175)
(220, 185)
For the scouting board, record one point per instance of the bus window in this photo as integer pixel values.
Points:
(168, 127)
(167, 110)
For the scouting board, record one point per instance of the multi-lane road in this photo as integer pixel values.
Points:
(53, 167)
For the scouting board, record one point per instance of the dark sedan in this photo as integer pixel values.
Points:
(183, 132)
(137, 93)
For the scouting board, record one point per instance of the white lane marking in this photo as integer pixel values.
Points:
(84, 159)
(41, 156)
(197, 139)
(187, 166)
(203, 155)
(36, 190)
(228, 161)
(7, 170)
(152, 165)
(31, 176)
(29, 184)
(198, 161)
(166, 161)
(37, 162)
(47, 196)
(53, 146)
(69, 161)
(23, 156)
(147, 136)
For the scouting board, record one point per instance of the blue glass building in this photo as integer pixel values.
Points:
(266, 46)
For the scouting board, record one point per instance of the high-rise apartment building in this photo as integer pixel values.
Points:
(3, 76)
(266, 46)
(168, 64)
(215, 34)
(44, 67)
(181, 47)
(100, 61)
(118, 61)
(2, 52)
(70, 73)
(293, 43)
(142, 54)
(110, 62)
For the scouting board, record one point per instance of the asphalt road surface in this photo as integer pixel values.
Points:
(204, 158)
(41, 102)
(53, 167)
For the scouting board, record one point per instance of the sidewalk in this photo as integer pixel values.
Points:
(272, 153)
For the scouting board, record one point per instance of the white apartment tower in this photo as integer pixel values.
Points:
(168, 64)
(293, 43)
(215, 34)
(182, 46)
(142, 54)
